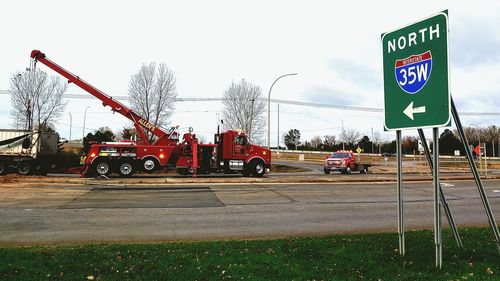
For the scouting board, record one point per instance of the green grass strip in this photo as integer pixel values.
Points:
(337, 257)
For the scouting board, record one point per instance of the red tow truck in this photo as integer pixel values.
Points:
(230, 153)
(344, 162)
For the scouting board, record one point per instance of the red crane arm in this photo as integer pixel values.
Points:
(116, 106)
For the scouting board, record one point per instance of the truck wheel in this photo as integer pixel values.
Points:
(348, 170)
(24, 168)
(364, 170)
(3, 168)
(327, 171)
(102, 168)
(150, 165)
(126, 169)
(258, 168)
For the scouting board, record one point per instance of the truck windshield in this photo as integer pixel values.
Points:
(340, 155)
(241, 140)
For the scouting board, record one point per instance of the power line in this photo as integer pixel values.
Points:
(279, 101)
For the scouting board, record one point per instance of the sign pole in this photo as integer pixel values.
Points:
(401, 230)
(477, 178)
(437, 206)
(446, 208)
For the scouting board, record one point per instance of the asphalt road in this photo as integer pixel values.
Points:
(82, 214)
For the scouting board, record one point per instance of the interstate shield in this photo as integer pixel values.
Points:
(413, 72)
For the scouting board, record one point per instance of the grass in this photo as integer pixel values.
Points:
(339, 257)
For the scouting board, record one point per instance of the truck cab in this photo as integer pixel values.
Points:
(236, 153)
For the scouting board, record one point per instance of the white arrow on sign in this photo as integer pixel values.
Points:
(410, 110)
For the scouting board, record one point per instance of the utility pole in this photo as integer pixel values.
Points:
(343, 135)
(84, 119)
(372, 142)
(70, 124)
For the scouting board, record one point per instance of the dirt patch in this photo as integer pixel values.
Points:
(8, 180)
(276, 168)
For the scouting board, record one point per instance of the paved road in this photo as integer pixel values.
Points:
(74, 214)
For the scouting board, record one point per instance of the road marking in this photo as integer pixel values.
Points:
(496, 191)
(447, 184)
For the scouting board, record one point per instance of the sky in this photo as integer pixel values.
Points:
(334, 46)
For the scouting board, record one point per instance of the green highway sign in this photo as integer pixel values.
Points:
(416, 89)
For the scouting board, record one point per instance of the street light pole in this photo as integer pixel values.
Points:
(269, 108)
(70, 124)
(343, 135)
(278, 139)
(84, 119)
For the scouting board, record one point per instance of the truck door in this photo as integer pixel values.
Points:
(352, 161)
(239, 147)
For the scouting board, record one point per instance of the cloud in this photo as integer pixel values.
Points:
(356, 72)
(328, 95)
(474, 43)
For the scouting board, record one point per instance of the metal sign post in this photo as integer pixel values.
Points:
(477, 178)
(446, 208)
(437, 206)
(401, 227)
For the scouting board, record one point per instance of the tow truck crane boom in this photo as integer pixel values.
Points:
(163, 138)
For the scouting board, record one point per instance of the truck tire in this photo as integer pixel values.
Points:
(150, 165)
(327, 171)
(126, 169)
(258, 168)
(102, 167)
(24, 168)
(364, 170)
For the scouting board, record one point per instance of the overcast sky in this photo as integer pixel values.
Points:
(334, 46)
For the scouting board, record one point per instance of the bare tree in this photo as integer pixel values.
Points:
(350, 136)
(470, 134)
(152, 92)
(36, 99)
(329, 141)
(244, 109)
(492, 134)
(316, 142)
